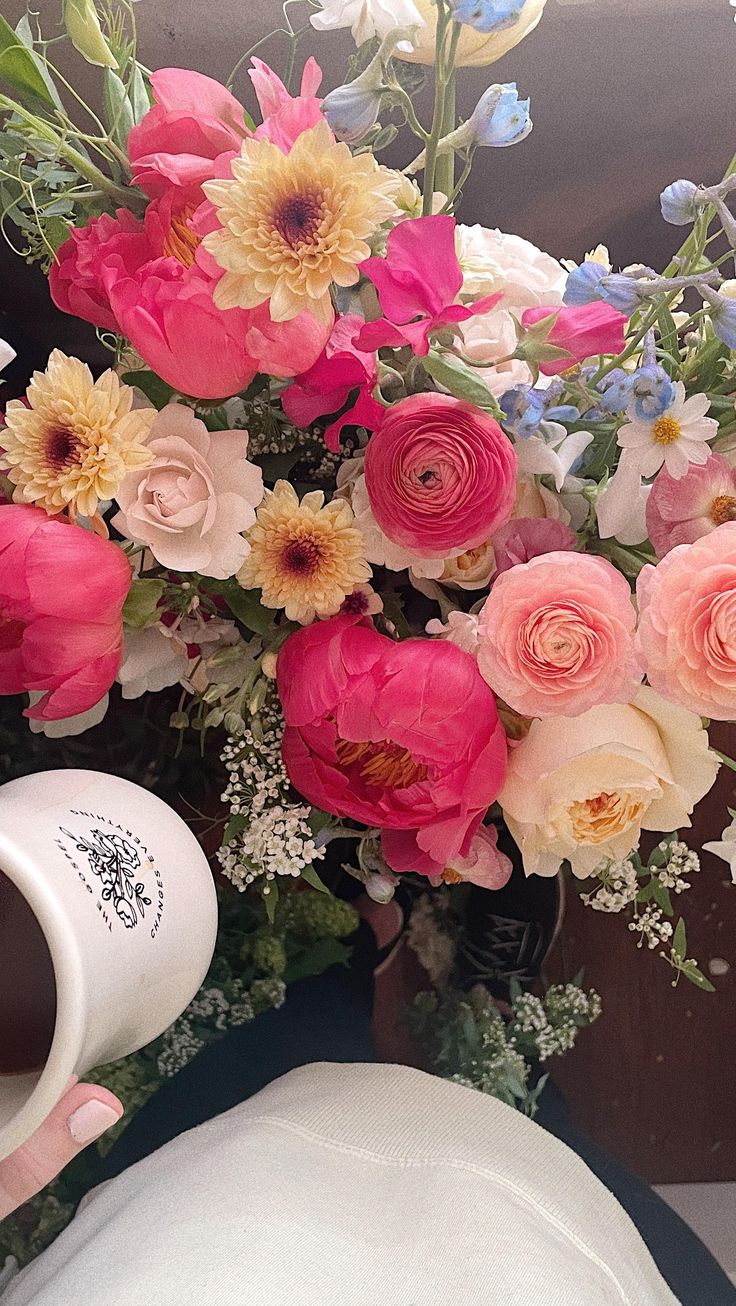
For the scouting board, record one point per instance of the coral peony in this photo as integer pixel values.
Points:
(401, 736)
(556, 636)
(582, 790)
(582, 332)
(440, 475)
(687, 625)
(190, 504)
(62, 591)
(75, 276)
(680, 512)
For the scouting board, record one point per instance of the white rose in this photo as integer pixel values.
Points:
(583, 788)
(494, 260)
(191, 503)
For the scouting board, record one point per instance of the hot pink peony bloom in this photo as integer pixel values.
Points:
(583, 331)
(524, 538)
(193, 122)
(557, 636)
(418, 282)
(687, 624)
(62, 591)
(326, 387)
(75, 277)
(680, 512)
(440, 475)
(401, 736)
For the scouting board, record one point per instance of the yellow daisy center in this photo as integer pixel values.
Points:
(383, 763)
(666, 430)
(723, 509)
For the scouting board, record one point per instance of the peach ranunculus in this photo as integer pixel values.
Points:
(190, 505)
(687, 625)
(582, 790)
(557, 636)
(475, 49)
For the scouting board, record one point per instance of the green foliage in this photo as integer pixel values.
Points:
(19, 70)
(141, 606)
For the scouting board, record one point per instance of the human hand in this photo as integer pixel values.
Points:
(82, 1115)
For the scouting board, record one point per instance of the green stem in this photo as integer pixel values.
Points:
(727, 761)
(438, 113)
(445, 169)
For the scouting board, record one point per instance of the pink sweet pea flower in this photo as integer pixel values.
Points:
(286, 116)
(418, 282)
(193, 122)
(327, 386)
(682, 511)
(583, 331)
(403, 736)
(62, 590)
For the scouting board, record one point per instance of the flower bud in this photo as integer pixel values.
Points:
(83, 25)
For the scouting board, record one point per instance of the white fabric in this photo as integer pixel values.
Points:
(352, 1186)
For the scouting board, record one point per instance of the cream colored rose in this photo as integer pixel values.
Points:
(584, 788)
(190, 505)
(488, 338)
(475, 49)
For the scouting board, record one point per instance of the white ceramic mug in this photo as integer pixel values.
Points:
(126, 902)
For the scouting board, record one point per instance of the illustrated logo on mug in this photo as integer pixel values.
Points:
(108, 919)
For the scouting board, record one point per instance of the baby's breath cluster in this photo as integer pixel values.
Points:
(549, 1026)
(617, 888)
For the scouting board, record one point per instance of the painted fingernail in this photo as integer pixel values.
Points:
(91, 1119)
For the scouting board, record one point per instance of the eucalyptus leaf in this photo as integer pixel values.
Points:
(159, 392)
(246, 606)
(141, 605)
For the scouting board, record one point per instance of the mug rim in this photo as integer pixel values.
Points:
(68, 1038)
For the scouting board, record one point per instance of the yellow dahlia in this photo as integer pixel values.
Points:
(78, 439)
(304, 556)
(292, 224)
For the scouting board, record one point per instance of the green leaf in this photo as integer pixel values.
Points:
(234, 826)
(695, 975)
(668, 340)
(316, 959)
(246, 606)
(23, 31)
(271, 899)
(18, 67)
(459, 380)
(118, 109)
(679, 942)
(141, 606)
(661, 896)
(319, 820)
(158, 391)
(310, 877)
(140, 100)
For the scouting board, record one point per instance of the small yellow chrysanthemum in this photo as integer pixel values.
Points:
(304, 557)
(292, 224)
(78, 439)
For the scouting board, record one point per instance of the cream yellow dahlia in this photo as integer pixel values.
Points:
(292, 224)
(305, 557)
(78, 439)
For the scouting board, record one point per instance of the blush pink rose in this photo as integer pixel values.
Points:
(403, 736)
(687, 624)
(582, 331)
(75, 276)
(440, 475)
(191, 504)
(62, 591)
(680, 512)
(557, 636)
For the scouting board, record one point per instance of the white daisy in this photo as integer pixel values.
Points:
(675, 439)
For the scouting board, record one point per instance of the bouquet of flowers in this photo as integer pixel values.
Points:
(434, 530)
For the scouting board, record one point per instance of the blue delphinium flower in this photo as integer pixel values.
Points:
(582, 284)
(351, 110)
(649, 389)
(723, 317)
(499, 118)
(622, 291)
(526, 408)
(678, 203)
(487, 15)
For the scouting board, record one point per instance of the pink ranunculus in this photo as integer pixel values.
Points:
(440, 475)
(557, 636)
(75, 276)
(680, 512)
(328, 384)
(418, 283)
(524, 538)
(687, 624)
(403, 736)
(62, 590)
(286, 116)
(193, 121)
(582, 331)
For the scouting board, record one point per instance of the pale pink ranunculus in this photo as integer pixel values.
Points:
(524, 538)
(194, 120)
(62, 591)
(75, 276)
(687, 624)
(402, 736)
(191, 504)
(583, 331)
(557, 636)
(682, 511)
(440, 475)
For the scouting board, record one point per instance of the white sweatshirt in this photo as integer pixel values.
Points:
(352, 1186)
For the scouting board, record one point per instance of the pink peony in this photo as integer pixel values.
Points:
(193, 121)
(557, 636)
(687, 624)
(339, 372)
(680, 512)
(62, 590)
(75, 277)
(418, 283)
(401, 736)
(440, 475)
(524, 538)
(582, 331)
